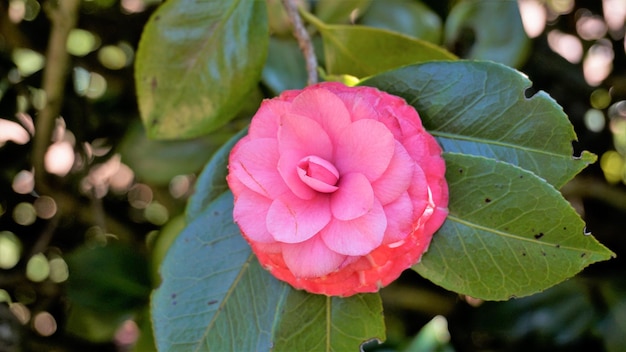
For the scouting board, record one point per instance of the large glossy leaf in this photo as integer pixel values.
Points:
(285, 67)
(216, 297)
(321, 323)
(508, 234)
(344, 11)
(479, 108)
(364, 51)
(488, 30)
(196, 64)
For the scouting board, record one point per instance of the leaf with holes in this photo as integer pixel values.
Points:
(479, 108)
(197, 62)
(216, 297)
(508, 234)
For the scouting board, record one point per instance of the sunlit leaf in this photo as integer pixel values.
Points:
(364, 51)
(479, 108)
(508, 234)
(196, 64)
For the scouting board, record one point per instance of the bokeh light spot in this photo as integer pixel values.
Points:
(12, 131)
(59, 158)
(23, 182)
(27, 61)
(112, 57)
(594, 120)
(140, 196)
(59, 271)
(156, 213)
(566, 45)
(38, 268)
(45, 324)
(10, 250)
(45, 207)
(24, 214)
(81, 42)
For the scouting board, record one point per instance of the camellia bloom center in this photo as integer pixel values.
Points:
(337, 189)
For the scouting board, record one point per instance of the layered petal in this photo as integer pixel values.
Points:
(397, 178)
(249, 213)
(299, 137)
(353, 199)
(267, 119)
(294, 220)
(400, 219)
(253, 163)
(359, 236)
(366, 146)
(324, 107)
(311, 258)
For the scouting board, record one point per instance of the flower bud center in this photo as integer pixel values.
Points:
(319, 174)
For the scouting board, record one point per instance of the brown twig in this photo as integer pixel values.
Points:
(304, 40)
(63, 17)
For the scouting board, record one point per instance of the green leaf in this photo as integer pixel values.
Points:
(285, 67)
(196, 64)
(364, 51)
(157, 162)
(212, 181)
(488, 30)
(508, 234)
(409, 17)
(344, 11)
(321, 323)
(479, 108)
(216, 296)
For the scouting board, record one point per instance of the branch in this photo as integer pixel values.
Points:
(304, 40)
(591, 188)
(63, 16)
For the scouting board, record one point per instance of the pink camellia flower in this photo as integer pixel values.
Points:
(338, 189)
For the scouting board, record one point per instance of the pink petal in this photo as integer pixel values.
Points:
(311, 258)
(397, 177)
(299, 137)
(254, 162)
(324, 107)
(293, 220)
(250, 212)
(400, 219)
(265, 122)
(359, 236)
(367, 147)
(353, 199)
(318, 174)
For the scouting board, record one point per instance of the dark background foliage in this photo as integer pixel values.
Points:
(83, 278)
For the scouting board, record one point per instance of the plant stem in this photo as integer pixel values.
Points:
(63, 16)
(304, 40)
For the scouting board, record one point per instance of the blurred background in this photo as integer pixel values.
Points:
(80, 245)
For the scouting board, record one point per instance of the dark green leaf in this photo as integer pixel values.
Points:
(216, 296)
(364, 51)
(285, 67)
(479, 108)
(488, 30)
(321, 323)
(157, 162)
(508, 234)
(196, 64)
(212, 181)
(409, 17)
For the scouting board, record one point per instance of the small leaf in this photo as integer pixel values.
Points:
(321, 323)
(196, 64)
(364, 51)
(479, 108)
(508, 234)
(488, 30)
(216, 296)
(212, 180)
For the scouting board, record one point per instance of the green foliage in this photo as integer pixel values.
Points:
(221, 298)
(479, 108)
(507, 232)
(409, 17)
(488, 30)
(364, 51)
(196, 64)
